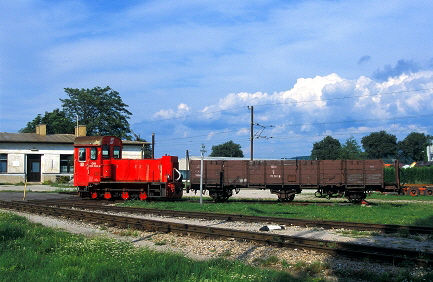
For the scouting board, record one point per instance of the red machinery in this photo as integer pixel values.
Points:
(100, 172)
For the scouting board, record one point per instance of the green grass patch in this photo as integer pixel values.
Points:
(31, 252)
(416, 213)
(393, 197)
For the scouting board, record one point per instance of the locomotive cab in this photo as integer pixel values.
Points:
(93, 157)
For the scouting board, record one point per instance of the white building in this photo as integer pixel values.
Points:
(40, 157)
(430, 153)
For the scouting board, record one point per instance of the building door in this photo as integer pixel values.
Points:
(34, 168)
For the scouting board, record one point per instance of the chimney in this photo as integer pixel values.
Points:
(41, 129)
(80, 130)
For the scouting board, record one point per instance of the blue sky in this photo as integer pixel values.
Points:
(189, 69)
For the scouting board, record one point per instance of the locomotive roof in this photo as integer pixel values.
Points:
(91, 140)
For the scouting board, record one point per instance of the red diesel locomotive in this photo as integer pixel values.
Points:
(100, 172)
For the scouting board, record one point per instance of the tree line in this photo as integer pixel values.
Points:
(376, 145)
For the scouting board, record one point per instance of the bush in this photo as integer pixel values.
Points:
(414, 175)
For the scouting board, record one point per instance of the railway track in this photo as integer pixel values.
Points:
(326, 224)
(391, 255)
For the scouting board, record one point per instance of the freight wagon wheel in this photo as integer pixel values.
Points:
(356, 198)
(282, 198)
(219, 197)
(429, 192)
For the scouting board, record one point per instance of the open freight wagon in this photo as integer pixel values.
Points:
(352, 179)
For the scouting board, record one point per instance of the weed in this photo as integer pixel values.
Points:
(129, 232)
(226, 253)
(316, 268)
(272, 260)
(285, 264)
(355, 233)
(404, 233)
(161, 243)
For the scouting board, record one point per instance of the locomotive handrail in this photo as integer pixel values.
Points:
(178, 172)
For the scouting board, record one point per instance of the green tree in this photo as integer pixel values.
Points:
(100, 109)
(413, 147)
(351, 150)
(380, 145)
(327, 149)
(228, 149)
(57, 123)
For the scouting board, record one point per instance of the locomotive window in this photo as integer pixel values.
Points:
(116, 152)
(105, 151)
(93, 153)
(82, 154)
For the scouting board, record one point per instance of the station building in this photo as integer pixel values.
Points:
(39, 157)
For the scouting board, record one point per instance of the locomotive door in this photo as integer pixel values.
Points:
(81, 169)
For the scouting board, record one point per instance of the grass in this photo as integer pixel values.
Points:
(404, 213)
(392, 197)
(31, 252)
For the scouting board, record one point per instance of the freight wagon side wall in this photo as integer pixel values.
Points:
(367, 172)
(350, 173)
(235, 173)
(308, 174)
(242, 173)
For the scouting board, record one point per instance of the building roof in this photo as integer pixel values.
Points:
(36, 138)
(49, 138)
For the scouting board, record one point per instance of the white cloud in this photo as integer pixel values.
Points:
(182, 111)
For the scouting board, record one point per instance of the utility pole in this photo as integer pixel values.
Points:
(258, 134)
(252, 132)
(202, 151)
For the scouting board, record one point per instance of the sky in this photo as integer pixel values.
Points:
(191, 71)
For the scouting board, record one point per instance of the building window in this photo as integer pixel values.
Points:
(3, 163)
(66, 163)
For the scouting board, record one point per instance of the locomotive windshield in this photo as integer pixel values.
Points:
(82, 155)
(93, 153)
(105, 151)
(116, 152)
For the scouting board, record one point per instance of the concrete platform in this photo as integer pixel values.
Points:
(36, 188)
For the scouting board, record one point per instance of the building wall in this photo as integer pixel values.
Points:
(131, 152)
(430, 153)
(17, 160)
